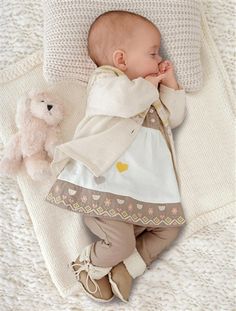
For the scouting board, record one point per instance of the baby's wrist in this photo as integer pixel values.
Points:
(171, 83)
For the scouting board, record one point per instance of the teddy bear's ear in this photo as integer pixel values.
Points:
(23, 112)
(34, 92)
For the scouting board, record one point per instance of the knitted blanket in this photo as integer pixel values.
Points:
(204, 153)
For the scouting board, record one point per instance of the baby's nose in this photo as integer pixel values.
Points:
(159, 60)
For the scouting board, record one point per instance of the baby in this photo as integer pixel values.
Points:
(119, 171)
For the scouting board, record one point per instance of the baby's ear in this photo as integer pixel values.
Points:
(119, 59)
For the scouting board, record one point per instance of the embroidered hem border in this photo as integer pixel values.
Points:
(103, 204)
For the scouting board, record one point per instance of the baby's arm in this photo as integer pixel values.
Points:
(119, 96)
(171, 94)
(175, 102)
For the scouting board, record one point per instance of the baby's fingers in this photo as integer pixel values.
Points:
(160, 77)
(162, 67)
(155, 79)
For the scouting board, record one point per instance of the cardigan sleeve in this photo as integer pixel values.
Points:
(175, 102)
(119, 96)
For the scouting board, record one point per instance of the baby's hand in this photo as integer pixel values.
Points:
(167, 68)
(155, 78)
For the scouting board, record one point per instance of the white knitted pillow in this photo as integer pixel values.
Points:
(66, 25)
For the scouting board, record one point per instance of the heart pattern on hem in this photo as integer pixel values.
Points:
(99, 179)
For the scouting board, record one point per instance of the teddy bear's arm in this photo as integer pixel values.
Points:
(52, 140)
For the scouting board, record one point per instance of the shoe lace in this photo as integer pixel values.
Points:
(85, 266)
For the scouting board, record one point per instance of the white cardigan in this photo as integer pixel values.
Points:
(116, 108)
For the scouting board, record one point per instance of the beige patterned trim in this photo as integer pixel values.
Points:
(122, 208)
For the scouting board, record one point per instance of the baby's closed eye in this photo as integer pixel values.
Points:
(154, 54)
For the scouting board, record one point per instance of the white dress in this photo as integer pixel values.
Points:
(139, 188)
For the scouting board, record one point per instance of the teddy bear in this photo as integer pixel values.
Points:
(38, 116)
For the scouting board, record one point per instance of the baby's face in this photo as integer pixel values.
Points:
(142, 53)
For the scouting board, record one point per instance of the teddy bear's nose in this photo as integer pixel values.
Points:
(49, 107)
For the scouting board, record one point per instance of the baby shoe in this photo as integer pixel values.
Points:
(94, 279)
(121, 281)
(121, 276)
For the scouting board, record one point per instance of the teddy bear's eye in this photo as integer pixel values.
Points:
(42, 101)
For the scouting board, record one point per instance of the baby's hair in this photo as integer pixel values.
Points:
(107, 33)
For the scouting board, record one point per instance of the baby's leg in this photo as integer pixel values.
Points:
(153, 241)
(117, 241)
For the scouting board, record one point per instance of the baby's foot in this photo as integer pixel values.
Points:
(99, 290)
(121, 281)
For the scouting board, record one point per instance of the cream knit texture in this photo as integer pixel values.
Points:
(66, 26)
(195, 285)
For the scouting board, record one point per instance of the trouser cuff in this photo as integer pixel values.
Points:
(135, 264)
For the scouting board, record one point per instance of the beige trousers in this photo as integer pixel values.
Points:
(119, 239)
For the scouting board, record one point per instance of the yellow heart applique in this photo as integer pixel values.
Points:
(121, 167)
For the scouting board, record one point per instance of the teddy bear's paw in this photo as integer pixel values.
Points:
(40, 175)
(39, 172)
(51, 152)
